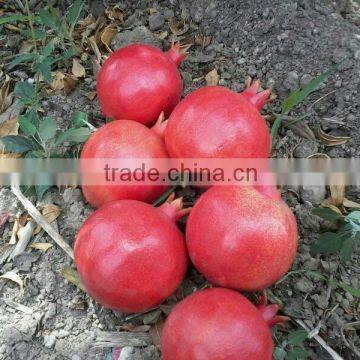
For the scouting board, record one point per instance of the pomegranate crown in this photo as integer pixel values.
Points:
(268, 312)
(256, 97)
(177, 53)
(173, 208)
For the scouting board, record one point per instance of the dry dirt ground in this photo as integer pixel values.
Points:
(284, 44)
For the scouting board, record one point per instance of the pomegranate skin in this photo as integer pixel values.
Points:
(123, 139)
(216, 324)
(139, 81)
(215, 122)
(130, 256)
(241, 238)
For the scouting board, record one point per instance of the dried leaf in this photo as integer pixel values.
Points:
(152, 317)
(69, 84)
(91, 95)
(202, 40)
(328, 204)
(50, 213)
(77, 69)
(212, 77)
(178, 27)
(155, 332)
(115, 14)
(350, 204)
(302, 129)
(331, 140)
(87, 21)
(9, 127)
(41, 246)
(107, 35)
(162, 35)
(73, 276)
(26, 46)
(14, 232)
(58, 81)
(141, 328)
(5, 97)
(10, 275)
(337, 194)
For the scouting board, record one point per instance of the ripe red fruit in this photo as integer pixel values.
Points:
(139, 81)
(122, 139)
(241, 237)
(131, 256)
(215, 122)
(219, 324)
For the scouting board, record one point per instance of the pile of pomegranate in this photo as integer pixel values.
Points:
(131, 255)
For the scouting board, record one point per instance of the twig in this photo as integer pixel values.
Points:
(35, 214)
(349, 344)
(122, 339)
(321, 341)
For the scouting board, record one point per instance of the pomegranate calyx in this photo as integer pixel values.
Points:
(252, 94)
(268, 312)
(177, 54)
(160, 125)
(173, 208)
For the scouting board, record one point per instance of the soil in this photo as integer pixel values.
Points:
(284, 44)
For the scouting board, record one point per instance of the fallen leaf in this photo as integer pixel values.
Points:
(5, 97)
(202, 40)
(50, 213)
(162, 36)
(14, 232)
(115, 14)
(87, 21)
(331, 140)
(337, 194)
(91, 95)
(26, 46)
(69, 84)
(9, 127)
(73, 276)
(95, 49)
(77, 69)
(152, 317)
(178, 27)
(212, 77)
(351, 204)
(141, 328)
(155, 332)
(58, 81)
(107, 35)
(12, 27)
(10, 275)
(41, 246)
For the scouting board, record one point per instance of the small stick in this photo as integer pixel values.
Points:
(321, 341)
(122, 339)
(36, 215)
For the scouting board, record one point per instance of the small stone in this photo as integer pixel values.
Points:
(49, 341)
(306, 148)
(62, 334)
(313, 194)
(305, 79)
(156, 21)
(24, 260)
(139, 34)
(304, 285)
(71, 195)
(291, 81)
(168, 14)
(51, 312)
(11, 334)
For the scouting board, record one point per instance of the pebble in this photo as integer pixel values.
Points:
(49, 341)
(313, 194)
(156, 21)
(138, 34)
(291, 81)
(306, 148)
(304, 285)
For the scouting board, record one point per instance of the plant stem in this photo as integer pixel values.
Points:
(31, 25)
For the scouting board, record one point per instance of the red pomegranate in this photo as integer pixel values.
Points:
(219, 324)
(139, 81)
(215, 122)
(128, 140)
(131, 256)
(241, 237)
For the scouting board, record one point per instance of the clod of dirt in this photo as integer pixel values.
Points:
(139, 35)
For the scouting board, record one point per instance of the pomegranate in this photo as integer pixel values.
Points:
(219, 324)
(139, 81)
(215, 122)
(242, 237)
(122, 139)
(131, 256)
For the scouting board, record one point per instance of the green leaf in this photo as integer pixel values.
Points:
(279, 354)
(297, 337)
(37, 154)
(79, 118)
(38, 33)
(44, 68)
(48, 49)
(13, 18)
(298, 353)
(18, 144)
(47, 128)
(327, 243)
(25, 91)
(41, 190)
(73, 276)
(354, 215)
(74, 135)
(301, 94)
(26, 126)
(327, 214)
(21, 58)
(353, 291)
(49, 17)
(275, 126)
(347, 248)
(74, 11)
(33, 117)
